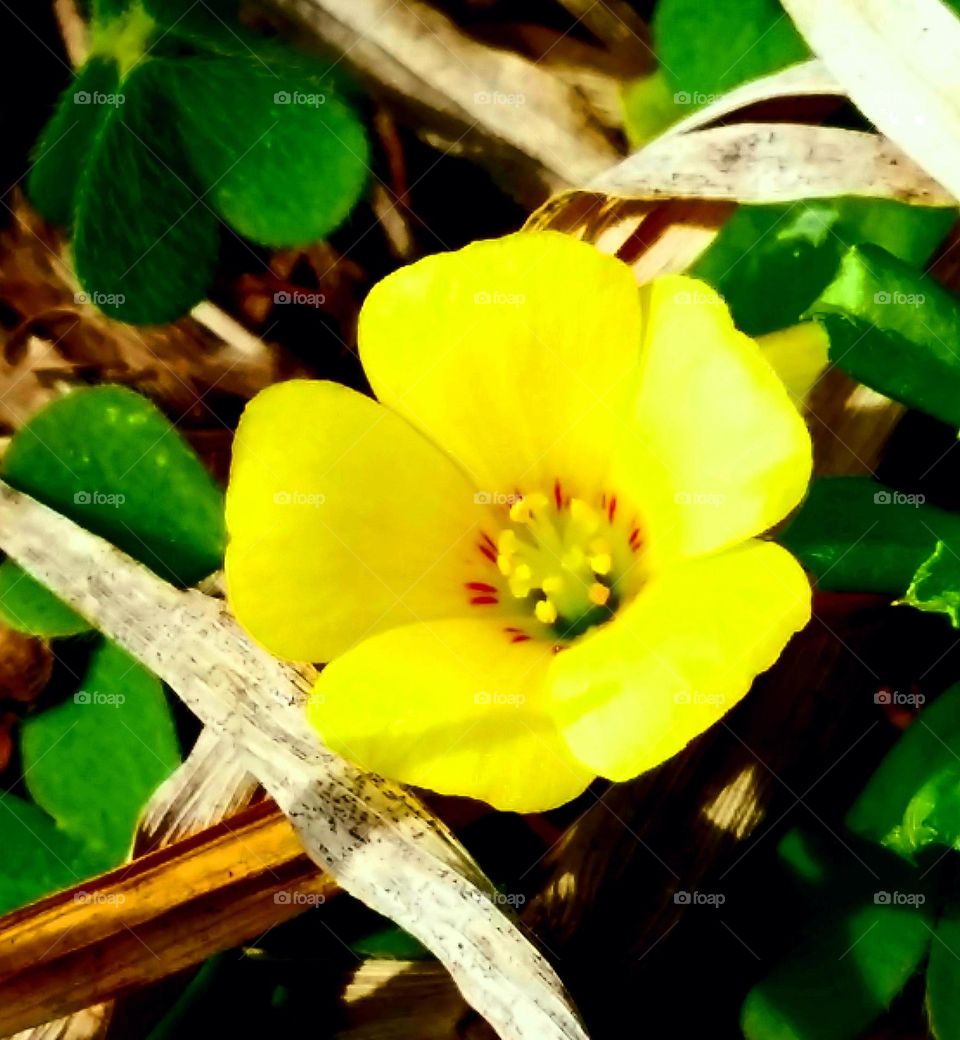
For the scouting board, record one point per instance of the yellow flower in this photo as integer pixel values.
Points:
(534, 560)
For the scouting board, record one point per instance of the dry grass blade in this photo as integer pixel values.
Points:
(525, 125)
(376, 840)
(899, 64)
(805, 79)
(778, 162)
(209, 786)
(613, 22)
(148, 919)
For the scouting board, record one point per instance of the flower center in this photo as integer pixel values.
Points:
(562, 564)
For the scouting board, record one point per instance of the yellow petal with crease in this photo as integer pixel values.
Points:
(453, 706)
(717, 451)
(343, 521)
(679, 657)
(517, 356)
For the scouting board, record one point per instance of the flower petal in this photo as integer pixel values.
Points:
(677, 658)
(517, 356)
(343, 521)
(731, 453)
(453, 706)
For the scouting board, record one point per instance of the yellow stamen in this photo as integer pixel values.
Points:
(601, 563)
(521, 581)
(552, 585)
(545, 611)
(504, 565)
(598, 594)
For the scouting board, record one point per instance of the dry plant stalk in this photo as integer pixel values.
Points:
(163, 912)
(898, 64)
(376, 840)
(531, 131)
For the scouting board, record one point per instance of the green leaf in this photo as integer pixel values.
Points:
(707, 49)
(894, 330)
(771, 262)
(842, 976)
(913, 798)
(108, 10)
(108, 459)
(211, 27)
(61, 151)
(936, 585)
(391, 943)
(28, 606)
(856, 535)
(943, 977)
(286, 171)
(38, 858)
(145, 244)
(649, 107)
(93, 761)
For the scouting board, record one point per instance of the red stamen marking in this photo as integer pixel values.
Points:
(521, 638)
(488, 552)
(488, 540)
(558, 494)
(480, 586)
(481, 601)
(510, 628)
(612, 508)
(635, 538)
